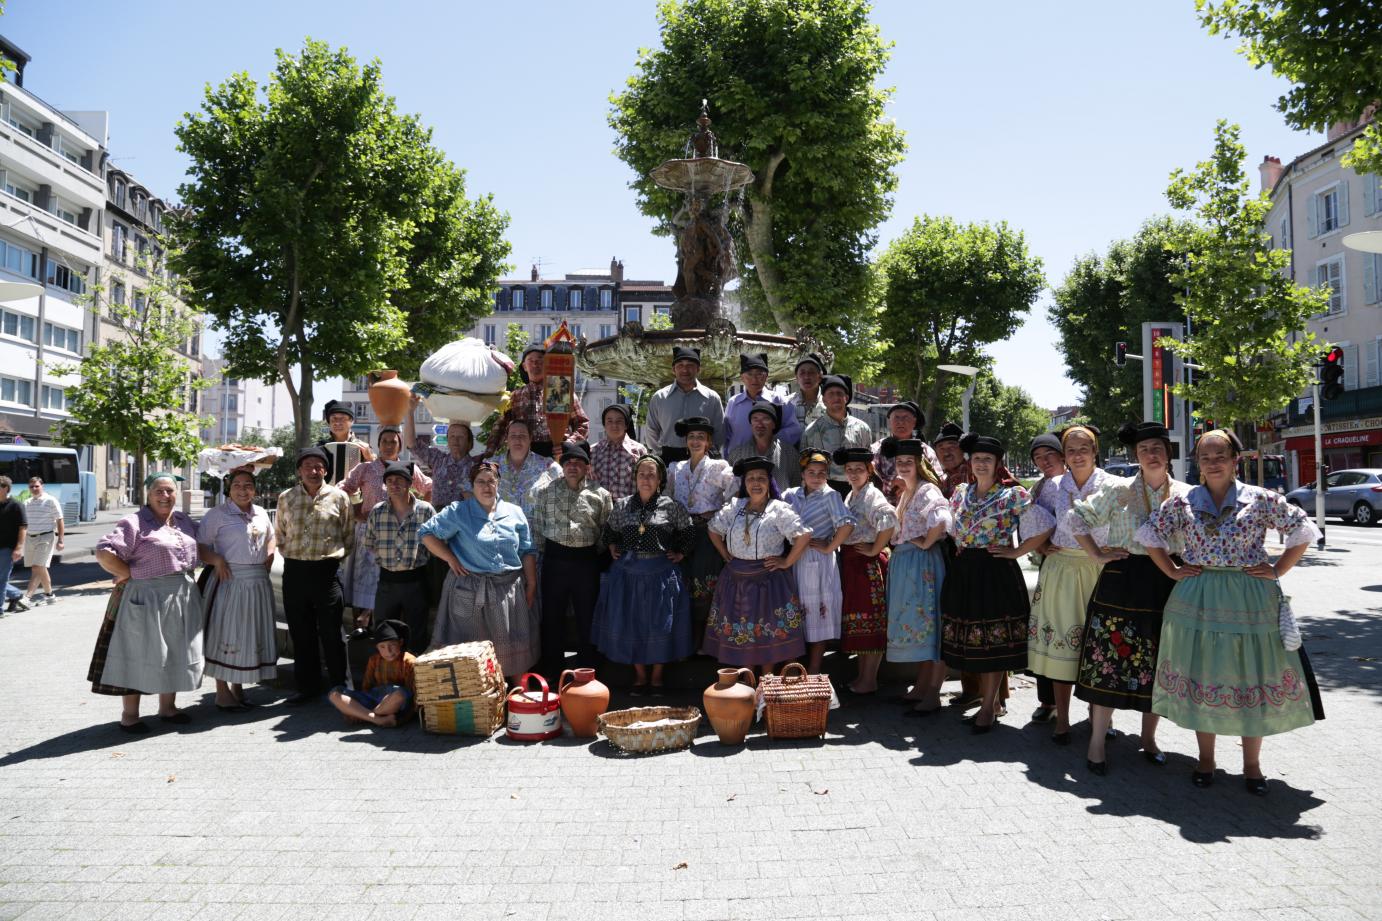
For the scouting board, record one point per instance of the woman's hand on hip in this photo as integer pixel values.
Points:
(1262, 571)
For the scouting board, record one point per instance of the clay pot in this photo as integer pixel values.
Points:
(730, 704)
(390, 398)
(582, 700)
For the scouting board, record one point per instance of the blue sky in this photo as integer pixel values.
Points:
(1062, 119)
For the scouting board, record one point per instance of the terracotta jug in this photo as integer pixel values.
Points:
(582, 700)
(730, 703)
(390, 398)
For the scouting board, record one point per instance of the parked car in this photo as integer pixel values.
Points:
(1122, 468)
(1354, 495)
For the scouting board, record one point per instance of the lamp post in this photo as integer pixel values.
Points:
(970, 372)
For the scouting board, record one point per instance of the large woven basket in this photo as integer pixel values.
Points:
(795, 704)
(616, 725)
(460, 689)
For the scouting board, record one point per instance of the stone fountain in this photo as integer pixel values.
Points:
(711, 188)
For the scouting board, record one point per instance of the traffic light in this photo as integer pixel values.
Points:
(1120, 354)
(1332, 374)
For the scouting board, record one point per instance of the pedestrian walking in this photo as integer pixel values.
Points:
(13, 530)
(46, 534)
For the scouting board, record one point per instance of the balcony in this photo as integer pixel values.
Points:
(1352, 404)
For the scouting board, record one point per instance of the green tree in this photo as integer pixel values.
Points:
(135, 392)
(1248, 318)
(323, 231)
(1106, 299)
(945, 291)
(1007, 413)
(792, 93)
(1331, 53)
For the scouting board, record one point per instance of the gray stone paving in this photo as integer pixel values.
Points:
(289, 814)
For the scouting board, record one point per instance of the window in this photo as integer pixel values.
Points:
(232, 427)
(118, 234)
(573, 299)
(362, 411)
(18, 259)
(1327, 209)
(546, 298)
(544, 331)
(1373, 371)
(16, 391)
(60, 211)
(517, 299)
(576, 330)
(119, 196)
(233, 403)
(19, 325)
(117, 293)
(60, 276)
(633, 314)
(60, 337)
(22, 192)
(606, 330)
(1331, 273)
(665, 311)
(54, 398)
(1285, 234)
(489, 334)
(606, 299)
(139, 302)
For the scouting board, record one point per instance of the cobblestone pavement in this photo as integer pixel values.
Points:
(285, 813)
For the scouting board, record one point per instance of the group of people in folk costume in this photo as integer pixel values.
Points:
(758, 532)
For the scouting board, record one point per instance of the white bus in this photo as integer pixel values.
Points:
(58, 469)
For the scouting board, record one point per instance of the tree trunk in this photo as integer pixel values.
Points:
(758, 232)
(137, 486)
(302, 404)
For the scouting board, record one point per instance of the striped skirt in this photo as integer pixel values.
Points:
(360, 575)
(818, 586)
(150, 641)
(240, 644)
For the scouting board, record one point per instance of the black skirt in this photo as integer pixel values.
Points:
(984, 613)
(1122, 630)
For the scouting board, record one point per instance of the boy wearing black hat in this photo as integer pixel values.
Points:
(685, 398)
(343, 448)
(753, 374)
(568, 521)
(837, 429)
(525, 404)
(391, 537)
(389, 686)
(612, 460)
(765, 419)
(315, 533)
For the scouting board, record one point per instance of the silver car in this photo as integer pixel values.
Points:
(1354, 495)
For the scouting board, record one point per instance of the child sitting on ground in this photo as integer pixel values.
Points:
(388, 687)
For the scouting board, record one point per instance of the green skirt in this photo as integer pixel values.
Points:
(1222, 666)
(1055, 629)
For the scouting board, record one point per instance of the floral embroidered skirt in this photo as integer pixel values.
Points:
(1222, 666)
(864, 586)
(1122, 630)
(702, 570)
(755, 617)
(1055, 629)
(818, 585)
(984, 610)
(915, 580)
(643, 615)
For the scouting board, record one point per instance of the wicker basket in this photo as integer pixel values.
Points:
(460, 689)
(796, 704)
(616, 725)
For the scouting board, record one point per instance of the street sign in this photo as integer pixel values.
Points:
(1161, 369)
(438, 436)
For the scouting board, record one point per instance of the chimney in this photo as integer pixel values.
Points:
(616, 271)
(535, 272)
(1339, 129)
(1271, 170)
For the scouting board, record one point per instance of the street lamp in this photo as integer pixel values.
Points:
(968, 371)
(1369, 241)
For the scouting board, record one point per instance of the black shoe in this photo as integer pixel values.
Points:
(1202, 779)
(1257, 786)
(297, 700)
(1061, 738)
(177, 719)
(1111, 733)
(1157, 758)
(1098, 768)
(1044, 714)
(18, 604)
(137, 728)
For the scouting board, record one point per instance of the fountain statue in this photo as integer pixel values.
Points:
(712, 189)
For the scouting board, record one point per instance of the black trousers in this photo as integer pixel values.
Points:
(312, 603)
(570, 576)
(403, 596)
(1046, 691)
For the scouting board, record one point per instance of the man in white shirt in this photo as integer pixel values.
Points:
(46, 533)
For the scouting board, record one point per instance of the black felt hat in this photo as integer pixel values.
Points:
(974, 443)
(949, 432)
(620, 408)
(757, 462)
(575, 450)
(910, 407)
(391, 630)
(398, 468)
(338, 406)
(843, 381)
(844, 456)
(757, 362)
(894, 447)
(810, 358)
(694, 424)
(770, 409)
(1044, 440)
(1130, 433)
(686, 353)
(317, 452)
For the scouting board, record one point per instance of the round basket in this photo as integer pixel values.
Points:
(676, 728)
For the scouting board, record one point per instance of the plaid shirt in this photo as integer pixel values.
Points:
(825, 434)
(450, 475)
(571, 517)
(368, 480)
(319, 527)
(611, 466)
(525, 404)
(396, 544)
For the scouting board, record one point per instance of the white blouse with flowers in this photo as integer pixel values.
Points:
(756, 535)
(1054, 508)
(1232, 535)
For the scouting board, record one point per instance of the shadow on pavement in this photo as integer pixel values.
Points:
(1346, 650)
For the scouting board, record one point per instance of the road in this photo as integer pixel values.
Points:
(284, 813)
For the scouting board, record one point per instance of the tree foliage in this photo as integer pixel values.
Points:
(323, 231)
(792, 94)
(1248, 319)
(1007, 413)
(1106, 299)
(1331, 53)
(946, 290)
(136, 391)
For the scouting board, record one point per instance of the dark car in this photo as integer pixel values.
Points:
(1354, 495)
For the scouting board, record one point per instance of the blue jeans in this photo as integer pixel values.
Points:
(6, 568)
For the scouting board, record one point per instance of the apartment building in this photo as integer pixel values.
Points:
(1316, 203)
(241, 410)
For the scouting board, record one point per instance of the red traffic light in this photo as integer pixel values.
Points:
(1334, 356)
(1332, 374)
(1120, 354)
